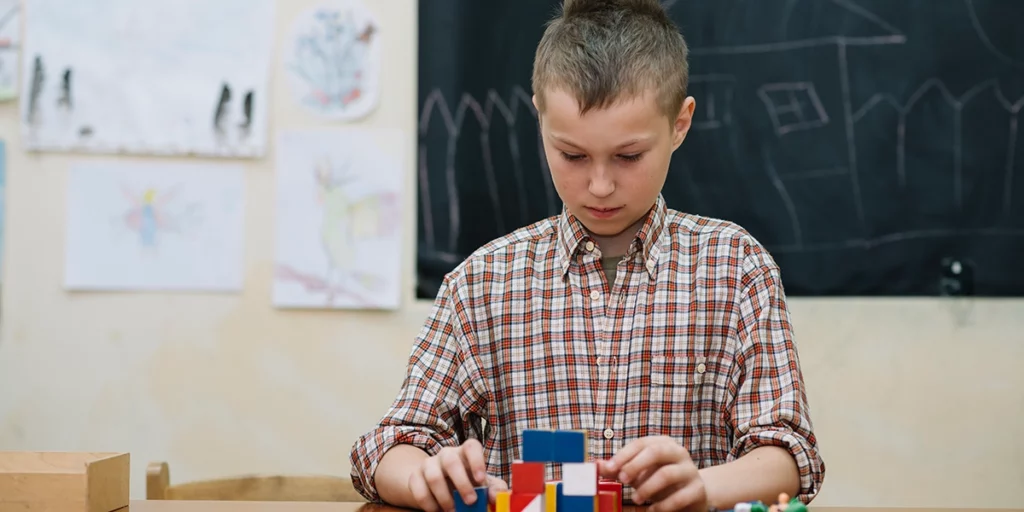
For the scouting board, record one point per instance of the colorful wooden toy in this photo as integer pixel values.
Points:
(579, 490)
(480, 505)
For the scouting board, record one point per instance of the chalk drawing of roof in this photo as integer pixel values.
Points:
(751, 26)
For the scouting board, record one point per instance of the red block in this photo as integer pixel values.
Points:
(520, 500)
(527, 478)
(613, 487)
(607, 501)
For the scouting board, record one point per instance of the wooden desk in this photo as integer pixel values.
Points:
(244, 506)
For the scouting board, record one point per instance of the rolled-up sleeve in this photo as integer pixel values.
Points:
(770, 408)
(426, 412)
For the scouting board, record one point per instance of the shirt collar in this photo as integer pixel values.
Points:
(572, 235)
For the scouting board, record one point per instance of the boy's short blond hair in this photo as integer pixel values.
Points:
(601, 51)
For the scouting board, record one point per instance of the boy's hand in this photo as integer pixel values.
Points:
(661, 471)
(462, 468)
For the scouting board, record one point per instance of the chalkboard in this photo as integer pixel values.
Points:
(873, 146)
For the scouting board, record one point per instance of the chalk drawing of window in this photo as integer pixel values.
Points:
(713, 94)
(793, 106)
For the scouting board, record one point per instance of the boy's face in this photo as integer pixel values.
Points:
(609, 165)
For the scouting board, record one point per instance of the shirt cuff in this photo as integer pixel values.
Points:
(370, 449)
(808, 462)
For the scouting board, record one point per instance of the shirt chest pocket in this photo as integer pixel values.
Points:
(678, 371)
(687, 397)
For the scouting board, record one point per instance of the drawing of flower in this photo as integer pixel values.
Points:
(332, 60)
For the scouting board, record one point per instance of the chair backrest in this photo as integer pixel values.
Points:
(250, 487)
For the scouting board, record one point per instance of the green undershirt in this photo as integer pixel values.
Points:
(609, 264)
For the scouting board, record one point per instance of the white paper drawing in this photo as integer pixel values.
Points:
(338, 232)
(188, 77)
(333, 60)
(166, 226)
(10, 41)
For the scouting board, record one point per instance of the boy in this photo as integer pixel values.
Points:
(664, 335)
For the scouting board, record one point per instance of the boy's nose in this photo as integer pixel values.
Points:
(601, 185)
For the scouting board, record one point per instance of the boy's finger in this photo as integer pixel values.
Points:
(456, 471)
(421, 493)
(624, 455)
(434, 475)
(494, 486)
(655, 485)
(606, 469)
(653, 456)
(473, 454)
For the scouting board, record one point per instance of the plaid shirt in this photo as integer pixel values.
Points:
(692, 341)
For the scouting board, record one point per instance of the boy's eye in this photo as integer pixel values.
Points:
(571, 156)
(631, 158)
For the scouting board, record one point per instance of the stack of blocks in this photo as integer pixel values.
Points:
(581, 489)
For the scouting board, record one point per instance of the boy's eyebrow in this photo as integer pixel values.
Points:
(630, 142)
(636, 140)
(564, 140)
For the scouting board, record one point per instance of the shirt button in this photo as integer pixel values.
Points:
(650, 266)
(595, 295)
(701, 368)
(609, 433)
(590, 246)
(600, 360)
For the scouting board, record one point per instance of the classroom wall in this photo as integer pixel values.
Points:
(916, 402)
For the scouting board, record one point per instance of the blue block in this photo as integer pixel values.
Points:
(538, 445)
(576, 504)
(479, 506)
(569, 446)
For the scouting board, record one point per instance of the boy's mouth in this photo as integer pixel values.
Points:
(603, 213)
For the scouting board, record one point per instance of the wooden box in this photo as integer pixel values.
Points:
(63, 481)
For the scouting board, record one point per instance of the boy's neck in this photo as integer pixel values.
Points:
(616, 246)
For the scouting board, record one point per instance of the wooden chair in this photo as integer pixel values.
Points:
(250, 487)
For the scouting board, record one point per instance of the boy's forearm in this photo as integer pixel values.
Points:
(761, 474)
(392, 475)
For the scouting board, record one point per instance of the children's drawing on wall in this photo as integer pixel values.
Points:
(188, 77)
(10, 41)
(333, 61)
(155, 227)
(338, 233)
(152, 214)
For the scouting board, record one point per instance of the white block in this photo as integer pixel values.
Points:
(535, 505)
(742, 507)
(579, 479)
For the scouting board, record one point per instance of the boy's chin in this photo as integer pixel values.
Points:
(609, 229)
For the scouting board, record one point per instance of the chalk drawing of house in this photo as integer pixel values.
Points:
(838, 149)
(779, 98)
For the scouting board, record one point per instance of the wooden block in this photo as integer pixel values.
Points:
(613, 487)
(607, 501)
(579, 479)
(502, 502)
(64, 481)
(569, 446)
(480, 505)
(552, 490)
(528, 477)
(578, 503)
(522, 502)
(537, 445)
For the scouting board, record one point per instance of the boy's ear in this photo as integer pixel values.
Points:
(536, 106)
(683, 121)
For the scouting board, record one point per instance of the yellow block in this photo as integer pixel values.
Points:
(550, 496)
(503, 501)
